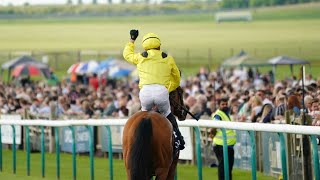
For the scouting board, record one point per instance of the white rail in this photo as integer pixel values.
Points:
(285, 128)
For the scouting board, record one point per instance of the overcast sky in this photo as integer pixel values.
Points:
(21, 2)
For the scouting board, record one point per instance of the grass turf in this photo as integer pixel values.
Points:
(194, 39)
(185, 172)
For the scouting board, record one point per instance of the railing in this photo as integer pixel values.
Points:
(280, 129)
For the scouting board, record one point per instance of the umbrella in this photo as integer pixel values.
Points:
(73, 68)
(117, 72)
(103, 66)
(26, 69)
(88, 67)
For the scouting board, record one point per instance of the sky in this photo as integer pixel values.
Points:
(39, 2)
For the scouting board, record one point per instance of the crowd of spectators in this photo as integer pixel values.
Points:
(253, 97)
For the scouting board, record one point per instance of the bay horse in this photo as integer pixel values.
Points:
(148, 147)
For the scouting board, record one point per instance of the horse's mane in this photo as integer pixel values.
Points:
(140, 160)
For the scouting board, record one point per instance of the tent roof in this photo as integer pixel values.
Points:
(23, 60)
(285, 60)
(233, 58)
(243, 59)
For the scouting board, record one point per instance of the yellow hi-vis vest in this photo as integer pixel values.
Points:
(231, 134)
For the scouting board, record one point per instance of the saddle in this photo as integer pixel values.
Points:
(178, 108)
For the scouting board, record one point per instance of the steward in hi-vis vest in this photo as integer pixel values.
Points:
(231, 134)
(222, 114)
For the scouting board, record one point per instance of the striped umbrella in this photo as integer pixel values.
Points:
(26, 69)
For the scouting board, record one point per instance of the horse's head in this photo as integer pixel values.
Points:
(177, 105)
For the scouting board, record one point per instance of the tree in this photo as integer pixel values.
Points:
(252, 3)
(94, 1)
(69, 1)
(79, 1)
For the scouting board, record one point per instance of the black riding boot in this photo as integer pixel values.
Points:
(173, 121)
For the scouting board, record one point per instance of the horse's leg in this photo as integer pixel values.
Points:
(173, 168)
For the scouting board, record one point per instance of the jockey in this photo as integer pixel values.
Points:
(158, 74)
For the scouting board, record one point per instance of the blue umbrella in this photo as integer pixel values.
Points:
(119, 72)
(104, 65)
(88, 67)
(110, 65)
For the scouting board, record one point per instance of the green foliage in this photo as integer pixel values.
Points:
(102, 10)
(235, 3)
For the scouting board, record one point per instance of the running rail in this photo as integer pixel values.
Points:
(251, 128)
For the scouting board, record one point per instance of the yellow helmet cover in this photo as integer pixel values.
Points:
(150, 41)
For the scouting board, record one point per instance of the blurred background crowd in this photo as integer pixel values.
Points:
(253, 97)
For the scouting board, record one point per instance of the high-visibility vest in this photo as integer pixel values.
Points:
(231, 134)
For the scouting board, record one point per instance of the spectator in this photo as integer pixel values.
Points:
(294, 105)
(45, 109)
(280, 109)
(256, 107)
(194, 107)
(53, 79)
(94, 82)
(315, 112)
(133, 105)
(110, 106)
(222, 114)
(234, 113)
(87, 109)
(307, 101)
(265, 116)
(35, 106)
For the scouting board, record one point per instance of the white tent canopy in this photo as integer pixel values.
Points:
(285, 60)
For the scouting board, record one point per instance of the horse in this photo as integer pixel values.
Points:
(148, 147)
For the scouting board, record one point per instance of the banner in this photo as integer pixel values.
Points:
(7, 132)
(82, 139)
(187, 153)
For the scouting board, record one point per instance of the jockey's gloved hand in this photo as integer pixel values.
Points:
(134, 33)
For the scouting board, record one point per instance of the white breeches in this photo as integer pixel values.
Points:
(155, 95)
